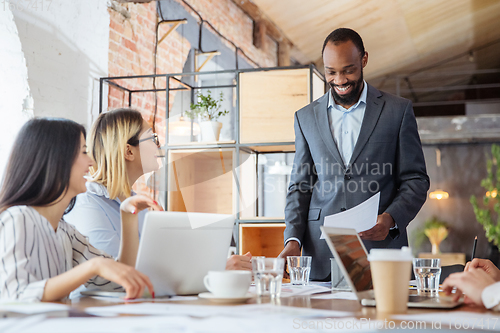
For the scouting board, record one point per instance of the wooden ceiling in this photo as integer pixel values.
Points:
(400, 36)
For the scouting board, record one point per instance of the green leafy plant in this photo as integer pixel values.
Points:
(435, 230)
(484, 215)
(207, 107)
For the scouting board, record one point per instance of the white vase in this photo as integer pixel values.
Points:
(210, 131)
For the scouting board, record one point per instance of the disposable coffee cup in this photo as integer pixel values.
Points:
(391, 272)
(228, 284)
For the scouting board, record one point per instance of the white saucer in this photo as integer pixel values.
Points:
(238, 299)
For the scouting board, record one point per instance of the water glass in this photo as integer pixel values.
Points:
(427, 273)
(338, 280)
(268, 274)
(299, 268)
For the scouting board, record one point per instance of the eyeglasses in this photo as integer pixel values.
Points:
(154, 138)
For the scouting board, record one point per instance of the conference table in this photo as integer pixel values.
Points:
(450, 319)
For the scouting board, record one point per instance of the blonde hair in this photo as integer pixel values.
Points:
(107, 141)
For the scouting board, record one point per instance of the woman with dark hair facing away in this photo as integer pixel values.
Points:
(124, 147)
(43, 257)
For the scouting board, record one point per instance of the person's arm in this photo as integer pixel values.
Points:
(302, 181)
(413, 182)
(129, 210)
(17, 233)
(485, 265)
(240, 262)
(132, 280)
(471, 283)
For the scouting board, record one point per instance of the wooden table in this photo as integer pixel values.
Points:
(350, 306)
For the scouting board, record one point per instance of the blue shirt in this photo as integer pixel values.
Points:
(96, 216)
(345, 124)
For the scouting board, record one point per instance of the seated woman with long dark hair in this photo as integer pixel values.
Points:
(43, 257)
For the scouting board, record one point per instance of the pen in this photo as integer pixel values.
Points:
(474, 249)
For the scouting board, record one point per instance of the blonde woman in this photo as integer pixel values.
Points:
(124, 148)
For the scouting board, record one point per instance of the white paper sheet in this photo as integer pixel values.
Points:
(339, 295)
(361, 217)
(288, 290)
(141, 300)
(207, 311)
(217, 324)
(32, 307)
(455, 320)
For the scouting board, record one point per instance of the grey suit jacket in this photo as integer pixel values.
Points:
(387, 157)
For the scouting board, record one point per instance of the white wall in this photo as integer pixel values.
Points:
(66, 48)
(13, 85)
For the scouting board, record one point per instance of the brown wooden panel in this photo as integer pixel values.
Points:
(268, 101)
(201, 181)
(261, 239)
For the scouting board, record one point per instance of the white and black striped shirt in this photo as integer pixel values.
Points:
(32, 252)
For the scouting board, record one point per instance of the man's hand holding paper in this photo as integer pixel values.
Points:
(381, 229)
(364, 219)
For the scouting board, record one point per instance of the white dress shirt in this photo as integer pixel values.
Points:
(491, 296)
(32, 252)
(345, 124)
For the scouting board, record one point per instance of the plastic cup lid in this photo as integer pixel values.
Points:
(403, 254)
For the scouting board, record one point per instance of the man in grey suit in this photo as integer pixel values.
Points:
(350, 144)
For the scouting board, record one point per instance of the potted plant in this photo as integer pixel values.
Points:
(435, 230)
(208, 110)
(491, 204)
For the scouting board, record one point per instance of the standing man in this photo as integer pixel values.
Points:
(350, 144)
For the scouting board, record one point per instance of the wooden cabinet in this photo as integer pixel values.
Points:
(221, 177)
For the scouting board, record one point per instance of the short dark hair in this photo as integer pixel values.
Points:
(342, 35)
(39, 166)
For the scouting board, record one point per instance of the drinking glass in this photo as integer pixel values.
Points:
(427, 273)
(299, 268)
(268, 274)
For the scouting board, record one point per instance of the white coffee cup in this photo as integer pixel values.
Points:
(228, 283)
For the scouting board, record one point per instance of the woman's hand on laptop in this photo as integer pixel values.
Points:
(136, 203)
(486, 266)
(239, 263)
(470, 283)
(128, 277)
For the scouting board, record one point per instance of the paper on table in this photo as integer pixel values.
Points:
(288, 290)
(217, 324)
(142, 300)
(32, 307)
(361, 217)
(207, 311)
(456, 319)
(340, 295)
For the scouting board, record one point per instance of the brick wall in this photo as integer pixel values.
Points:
(132, 43)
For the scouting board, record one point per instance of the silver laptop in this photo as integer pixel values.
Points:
(352, 258)
(178, 249)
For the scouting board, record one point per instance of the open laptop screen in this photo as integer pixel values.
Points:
(352, 254)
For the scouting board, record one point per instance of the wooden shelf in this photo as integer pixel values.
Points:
(196, 143)
(204, 177)
(258, 219)
(285, 148)
(261, 240)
